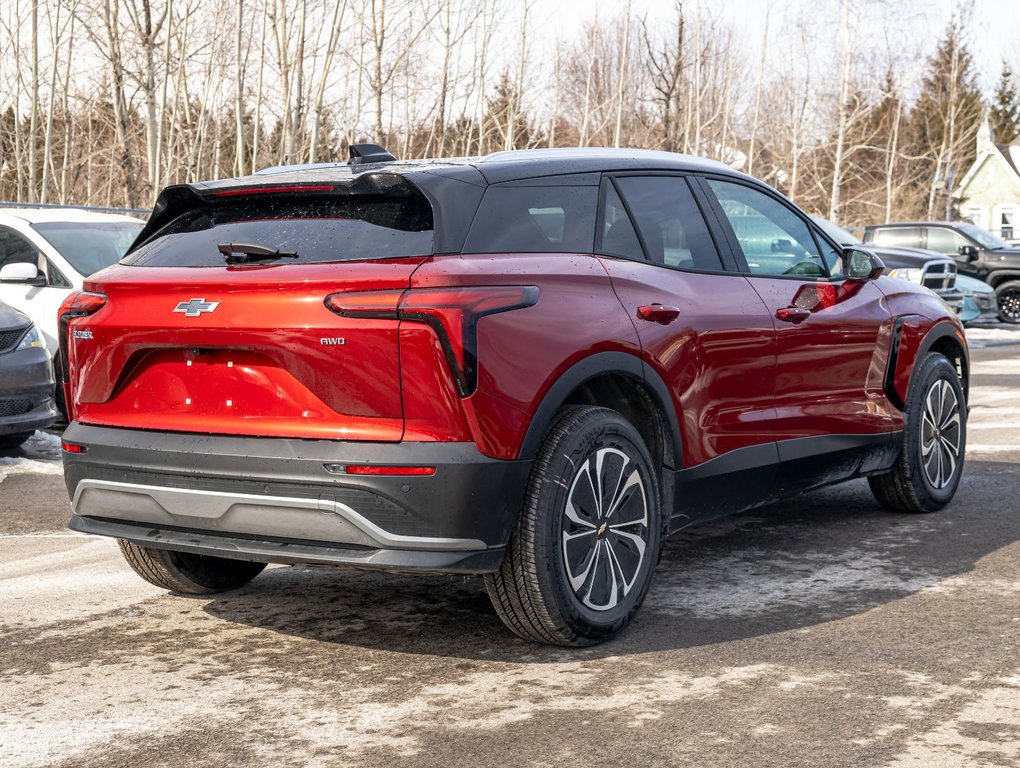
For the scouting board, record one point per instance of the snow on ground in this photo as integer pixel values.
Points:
(993, 335)
(40, 455)
(42, 445)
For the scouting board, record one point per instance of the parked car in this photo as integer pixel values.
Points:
(530, 366)
(46, 253)
(26, 379)
(978, 253)
(932, 270)
(978, 300)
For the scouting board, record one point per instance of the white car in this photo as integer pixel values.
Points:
(45, 253)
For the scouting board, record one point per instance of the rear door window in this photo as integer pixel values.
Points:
(539, 219)
(318, 228)
(618, 235)
(670, 222)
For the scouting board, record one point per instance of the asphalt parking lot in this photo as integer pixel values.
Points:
(817, 632)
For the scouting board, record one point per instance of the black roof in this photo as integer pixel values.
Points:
(492, 169)
(451, 184)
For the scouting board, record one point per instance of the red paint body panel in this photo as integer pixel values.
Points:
(921, 312)
(262, 346)
(830, 366)
(718, 357)
(522, 353)
(737, 376)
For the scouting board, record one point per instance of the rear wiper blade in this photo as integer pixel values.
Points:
(245, 253)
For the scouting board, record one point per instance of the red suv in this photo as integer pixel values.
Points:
(531, 366)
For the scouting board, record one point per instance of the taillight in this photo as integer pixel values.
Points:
(77, 304)
(452, 312)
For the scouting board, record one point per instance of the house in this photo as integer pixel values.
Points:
(989, 194)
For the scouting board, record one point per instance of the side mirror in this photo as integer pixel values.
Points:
(969, 252)
(861, 264)
(21, 272)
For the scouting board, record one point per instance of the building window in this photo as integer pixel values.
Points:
(1006, 223)
(975, 214)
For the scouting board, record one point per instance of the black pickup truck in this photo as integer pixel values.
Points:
(932, 270)
(977, 253)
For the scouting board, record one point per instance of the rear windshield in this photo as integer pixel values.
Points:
(90, 246)
(317, 228)
(540, 219)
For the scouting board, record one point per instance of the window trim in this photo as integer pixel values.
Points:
(734, 243)
(610, 178)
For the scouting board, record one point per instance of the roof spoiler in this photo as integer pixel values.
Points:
(369, 153)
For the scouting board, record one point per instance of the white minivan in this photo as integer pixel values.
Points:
(46, 253)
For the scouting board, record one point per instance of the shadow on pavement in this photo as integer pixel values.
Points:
(827, 555)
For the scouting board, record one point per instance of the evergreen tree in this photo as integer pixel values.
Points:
(1004, 114)
(943, 124)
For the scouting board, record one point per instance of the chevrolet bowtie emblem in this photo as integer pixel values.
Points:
(195, 307)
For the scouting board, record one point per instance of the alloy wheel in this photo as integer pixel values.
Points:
(605, 529)
(940, 434)
(1009, 304)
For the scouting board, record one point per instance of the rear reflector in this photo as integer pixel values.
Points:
(376, 469)
(72, 447)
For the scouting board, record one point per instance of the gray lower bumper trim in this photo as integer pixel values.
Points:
(321, 519)
(295, 551)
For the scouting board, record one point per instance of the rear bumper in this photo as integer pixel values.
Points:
(273, 500)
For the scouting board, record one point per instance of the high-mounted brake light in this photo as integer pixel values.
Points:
(452, 312)
(237, 192)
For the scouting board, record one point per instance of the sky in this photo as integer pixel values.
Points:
(994, 29)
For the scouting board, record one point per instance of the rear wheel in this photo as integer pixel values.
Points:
(582, 555)
(1008, 296)
(188, 573)
(928, 471)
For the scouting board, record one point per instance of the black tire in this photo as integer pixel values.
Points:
(532, 591)
(14, 441)
(187, 573)
(1008, 296)
(918, 481)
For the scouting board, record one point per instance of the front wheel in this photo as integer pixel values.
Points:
(928, 471)
(582, 554)
(1008, 296)
(187, 573)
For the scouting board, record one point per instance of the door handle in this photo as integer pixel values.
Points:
(657, 313)
(793, 314)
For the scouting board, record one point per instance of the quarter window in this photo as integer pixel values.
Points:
(539, 219)
(670, 222)
(775, 240)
